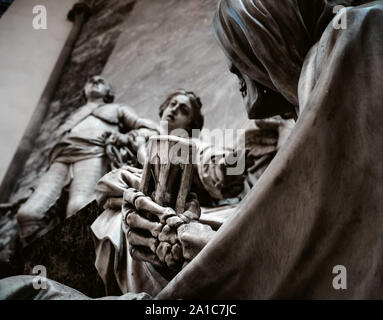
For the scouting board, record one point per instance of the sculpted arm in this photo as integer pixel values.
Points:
(129, 119)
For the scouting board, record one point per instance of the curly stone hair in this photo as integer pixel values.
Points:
(197, 118)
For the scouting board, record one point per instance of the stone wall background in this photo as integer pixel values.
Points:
(147, 49)
(91, 52)
(166, 45)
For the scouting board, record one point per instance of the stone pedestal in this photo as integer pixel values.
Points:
(67, 253)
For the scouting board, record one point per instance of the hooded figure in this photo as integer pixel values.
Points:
(313, 224)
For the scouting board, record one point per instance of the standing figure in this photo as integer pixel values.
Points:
(79, 159)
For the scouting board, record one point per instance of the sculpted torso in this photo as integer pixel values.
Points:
(92, 126)
(90, 122)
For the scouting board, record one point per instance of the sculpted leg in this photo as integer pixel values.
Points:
(86, 173)
(31, 216)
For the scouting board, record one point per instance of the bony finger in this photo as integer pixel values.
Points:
(126, 210)
(175, 222)
(166, 213)
(140, 254)
(170, 261)
(134, 220)
(136, 239)
(162, 250)
(168, 234)
(193, 207)
(147, 204)
(177, 252)
(131, 195)
(190, 216)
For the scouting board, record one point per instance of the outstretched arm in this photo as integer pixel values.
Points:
(129, 119)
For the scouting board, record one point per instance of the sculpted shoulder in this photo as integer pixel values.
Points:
(108, 112)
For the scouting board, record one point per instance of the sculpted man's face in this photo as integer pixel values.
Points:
(179, 113)
(96, 88)
(260, 101)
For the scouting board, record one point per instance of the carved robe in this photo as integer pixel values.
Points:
(319, 203)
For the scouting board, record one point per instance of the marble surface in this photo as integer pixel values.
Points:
(67, 253)
(166, 45)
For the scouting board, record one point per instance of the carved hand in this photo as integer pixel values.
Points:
(157, 234)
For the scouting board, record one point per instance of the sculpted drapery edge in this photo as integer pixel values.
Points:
(318, 204)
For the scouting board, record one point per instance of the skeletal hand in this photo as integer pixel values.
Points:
(110, 188)
(152, 230)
